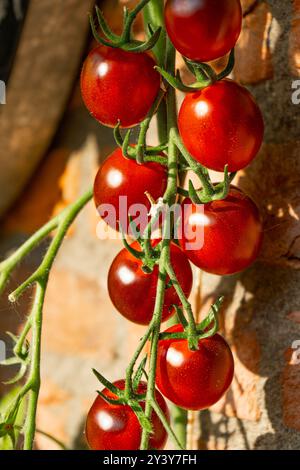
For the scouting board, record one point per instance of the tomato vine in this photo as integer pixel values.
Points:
(106, 83)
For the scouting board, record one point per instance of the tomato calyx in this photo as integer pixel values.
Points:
(220, 190)
(127, 396)
(207, 328)
(150, 252)
(141, 152)
(209, 191)
(124, 41)
(205, 75)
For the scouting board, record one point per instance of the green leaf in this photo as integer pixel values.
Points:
(106, 383)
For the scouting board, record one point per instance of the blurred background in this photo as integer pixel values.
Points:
(50, 149)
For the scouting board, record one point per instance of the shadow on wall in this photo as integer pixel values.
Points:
(268, 292)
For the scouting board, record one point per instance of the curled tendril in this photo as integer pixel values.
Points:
(124, 41)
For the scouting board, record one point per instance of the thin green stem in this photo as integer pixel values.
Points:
(192, 327)
(159, 302)
(130, 368)
(19, 344)
(196, 167)
(34, 321)
(154, 15)
(64, 222)
(169, 198)
(7, 266)
(166, 424)
(37, 313)
(144, 127)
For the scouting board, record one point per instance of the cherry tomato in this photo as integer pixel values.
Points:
(194, 380)
(221, 125)
(116, 427)
(203, 30)
(133, 292)
(231, 229)
(121, 183)
(119, 85)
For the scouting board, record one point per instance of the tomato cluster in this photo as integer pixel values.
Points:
(220, 126)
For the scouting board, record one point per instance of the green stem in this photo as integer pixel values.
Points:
(195, 167)
(192, 327)
(170, 431)
(154, 15)
(19, 344)
(130, 368)
(141, 144)
(31, 388)
(64, 221)
(7, 266)
(37, 313)
(159, 302)
(169, 198)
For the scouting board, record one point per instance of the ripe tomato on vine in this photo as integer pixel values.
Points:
(122, 180)
(221, 125)
(128, 284)
(116, 427)
(203, 30)
(118, 85)
(232, 233)
(194, 380)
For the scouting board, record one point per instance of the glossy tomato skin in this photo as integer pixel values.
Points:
(221, 125)
(233, 233)
(203, 30)
(194, 380)
(119, 85)
(133, 292)
(116, 427)
(123, 177)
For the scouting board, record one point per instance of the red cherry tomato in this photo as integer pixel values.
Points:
(232, 231)
(203, 30)
(116, 427)
(194, 380)
(121, 183)
(221, 125)
(133, 292)
(119, 85)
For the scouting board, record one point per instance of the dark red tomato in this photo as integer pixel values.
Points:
(194, 380)
(119, 85)
(221, 125)
(203, 30)
(121, 183)
(133, 292)
(116, 427)
(222, 237)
